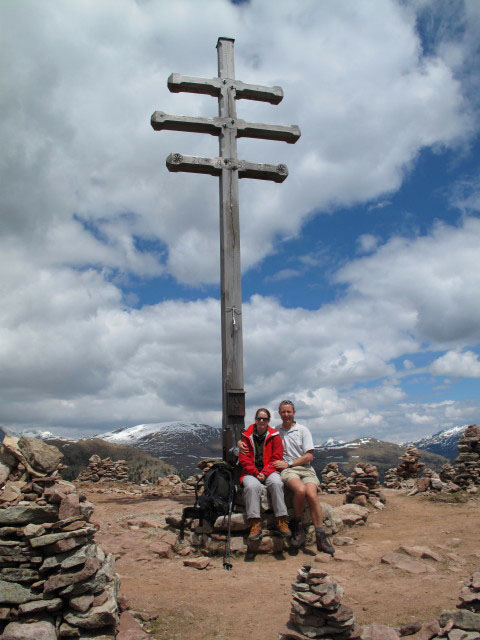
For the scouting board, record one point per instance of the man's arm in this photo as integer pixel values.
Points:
(307, 458)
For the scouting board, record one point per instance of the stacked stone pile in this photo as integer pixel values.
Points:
(433, 484)
(467, 464)
(173, 485)
(410, 465)
(106, 470)
(317, 610)
(466, 617)
(55, 582)
(447, 472)
(364, 487)
(332, 480)
(391, 479)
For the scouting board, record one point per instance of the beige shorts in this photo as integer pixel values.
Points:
(305, 474)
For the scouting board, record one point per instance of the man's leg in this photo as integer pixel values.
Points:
(252, 491)
(316, 512)
(298, 489)
(313, 504)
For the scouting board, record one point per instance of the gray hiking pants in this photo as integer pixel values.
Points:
(252, 491)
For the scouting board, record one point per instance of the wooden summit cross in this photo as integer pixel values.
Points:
(229, 169)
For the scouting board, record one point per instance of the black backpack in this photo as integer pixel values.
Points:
(217, 498)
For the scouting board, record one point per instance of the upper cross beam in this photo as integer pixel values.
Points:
(163, 121)
(213, 87)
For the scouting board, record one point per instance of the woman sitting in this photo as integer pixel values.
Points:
(263, 447)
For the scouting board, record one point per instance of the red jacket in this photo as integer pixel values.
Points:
(272, 450)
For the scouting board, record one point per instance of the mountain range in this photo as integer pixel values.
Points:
(183, 444)
(445, 442)
(384, 455)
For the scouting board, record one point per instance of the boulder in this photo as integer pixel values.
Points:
(41, 456)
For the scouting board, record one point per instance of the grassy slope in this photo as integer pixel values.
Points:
(141, 465)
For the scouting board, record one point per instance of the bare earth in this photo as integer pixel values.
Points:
(253, 600)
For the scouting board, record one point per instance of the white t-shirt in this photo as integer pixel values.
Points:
(296, 441)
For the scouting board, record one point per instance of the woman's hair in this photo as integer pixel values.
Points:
(265, 411)
(286, 402)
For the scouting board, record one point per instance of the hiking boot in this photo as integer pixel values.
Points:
(255, 529)
(282, 526)
(323, 543)
(299, 538)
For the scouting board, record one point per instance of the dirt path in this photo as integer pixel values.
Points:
(253, 600)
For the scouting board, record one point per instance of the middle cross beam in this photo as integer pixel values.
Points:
(162, 121)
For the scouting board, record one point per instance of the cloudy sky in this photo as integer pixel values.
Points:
(361, 273)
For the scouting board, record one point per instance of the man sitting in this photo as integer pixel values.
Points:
(298, 474)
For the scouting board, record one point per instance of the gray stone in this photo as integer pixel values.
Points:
(104, 615)
(7, 532)
(26, 514)
(462, 619)
(332, 520)
(67, 631)
(52, 538)
(29, 631)
(33, 530)
(69, 559)
(61, 580)
(105, 576)
(67, 544)
(13, 593)
(377, 631)
(401, 561)
(7, 458)
(457, 634)
(18, 574)
(54, 604)
(5, 471)
(69, 506)
(82, 603)
(41, 456)
(239, 522)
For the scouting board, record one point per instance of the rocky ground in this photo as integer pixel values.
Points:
(253, 600)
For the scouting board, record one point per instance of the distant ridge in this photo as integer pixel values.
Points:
(384, 455)
(181, 444)
(444, 443)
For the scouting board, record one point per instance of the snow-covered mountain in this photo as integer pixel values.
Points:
(331, 442)
(445, 442)
(181, 444)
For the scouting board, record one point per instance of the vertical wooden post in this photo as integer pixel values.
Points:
(229, 169)
(233, 394)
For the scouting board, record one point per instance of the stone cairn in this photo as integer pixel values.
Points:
(407, 470)
(55, 582)
(317, 612)
(173, 485)
(410, 465)
(447, 472)
(391, 479)
(106, 470)
(364, 487)
(333, 481)
(467, 464)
